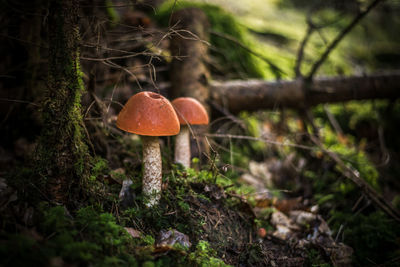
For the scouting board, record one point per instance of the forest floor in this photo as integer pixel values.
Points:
(265, 195)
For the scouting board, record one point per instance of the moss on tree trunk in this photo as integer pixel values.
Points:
(62, 153)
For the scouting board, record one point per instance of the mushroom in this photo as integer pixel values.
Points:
(261, 232)
(149, 115)
(189, 111)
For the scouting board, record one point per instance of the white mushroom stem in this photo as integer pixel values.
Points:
(182, 147)
(152, 169)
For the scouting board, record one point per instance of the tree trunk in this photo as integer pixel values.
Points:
(253, 95)
(189, 74)
(62, 153)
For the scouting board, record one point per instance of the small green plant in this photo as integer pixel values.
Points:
(204, 256)
(99, 166)
(148, 240)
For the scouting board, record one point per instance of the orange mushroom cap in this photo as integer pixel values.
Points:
(262, 232)
(148, 113)
(190, 111)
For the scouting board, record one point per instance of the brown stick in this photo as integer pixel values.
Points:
(254, 95)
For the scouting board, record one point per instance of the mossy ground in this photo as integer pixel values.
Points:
(221, 228)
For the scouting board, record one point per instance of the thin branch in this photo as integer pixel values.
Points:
(189, 35)
(258, 139)
(300, 53)
(352, 174)
(339, 37)
(172, 12)
(115, 65)
(19, 101)
(227, 114)
(335, 124)
(142, 53)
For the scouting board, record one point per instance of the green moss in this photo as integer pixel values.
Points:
(148, 264)
(356, 158)
(62, 156)
(204, 256)
(91, 237)
(351, 114)
(148, 240)
(99, 166)
(112, 13)
(372, 235)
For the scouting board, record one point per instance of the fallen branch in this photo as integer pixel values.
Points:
(252, 95)
(354, 176)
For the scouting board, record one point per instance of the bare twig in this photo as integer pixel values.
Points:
(184, 34)
(172, 12)
(339, 37)
(333, 121)
(300, 53)
(145, 53)
(115, 65)
(311, 28)
(258, 139)
(19, 101)
(228, 114)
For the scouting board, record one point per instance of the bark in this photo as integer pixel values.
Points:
(182, 147)
(152, 169)
(252, 95)
(189, 75)
(62, 153)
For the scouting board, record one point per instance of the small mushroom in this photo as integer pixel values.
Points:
(189, 111)
(149, 115)
(261, 232)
